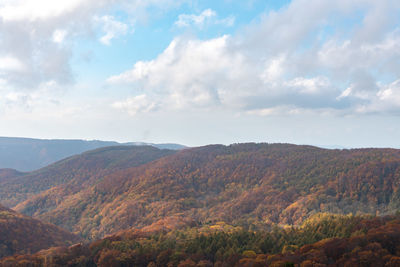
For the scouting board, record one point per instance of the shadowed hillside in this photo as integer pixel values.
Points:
(21, 234)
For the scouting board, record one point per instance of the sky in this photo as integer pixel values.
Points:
(194, 72)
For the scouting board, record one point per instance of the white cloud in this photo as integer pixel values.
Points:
(282, 61)
(390, 93)
(39, 34)
(309, 86)
(32, 10)
(112, 29)
(136, 104)
(185, 20)
(386, 99)
(32, 31)
(59, 36)
(202, 74)
(208, 16)
(19, 102)
(273, 71)
(188, 73)
(9, 63)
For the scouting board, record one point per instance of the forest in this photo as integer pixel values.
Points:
(252, 185)
(238, 205)
(322, 240)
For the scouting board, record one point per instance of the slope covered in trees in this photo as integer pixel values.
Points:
(74, 173)
(323, 240)
(6, 174)
(22, 234)
(255, 186)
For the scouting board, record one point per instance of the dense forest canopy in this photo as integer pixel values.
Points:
(22, 234)
(322, 240)
(243, 204)
(252, 185)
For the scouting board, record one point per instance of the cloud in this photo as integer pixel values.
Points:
(390, 95)
(208, 16)
(31, 34)
(185, 20)
(15, 101)
(297, 58)
(9, 63)
(189, 73)
(384, 98)
(59, 36)
(136, 104)
(34, 10)
(202, 74)
(38, 36)
(112, 28)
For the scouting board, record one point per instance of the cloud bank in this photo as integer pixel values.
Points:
(297, 58)
(37, 39)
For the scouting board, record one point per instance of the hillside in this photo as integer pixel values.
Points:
(27, 154)
(378, 244)
(7, 174)
(255, 186)
(322, 240)
(21, 234)
(74, 173)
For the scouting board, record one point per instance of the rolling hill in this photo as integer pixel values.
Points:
(255, 186)
(74, 173)
(27, 154)
(21, 234)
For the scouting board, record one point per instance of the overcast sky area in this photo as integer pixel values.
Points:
(193, 72)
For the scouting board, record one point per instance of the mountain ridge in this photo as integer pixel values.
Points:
(254, 185)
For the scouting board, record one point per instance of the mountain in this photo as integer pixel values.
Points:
(26, 154)
(256, 186)
(73, 174)
(21, 234)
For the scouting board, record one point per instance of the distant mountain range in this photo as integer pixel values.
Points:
(26, 154)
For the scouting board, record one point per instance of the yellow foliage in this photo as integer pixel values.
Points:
(249, 254)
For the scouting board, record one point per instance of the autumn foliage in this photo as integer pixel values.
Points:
(22, 234)
(237, 205)
(341, 241)
(252, 185)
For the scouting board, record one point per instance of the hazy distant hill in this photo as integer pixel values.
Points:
(253, 185)
(22, 234)
(26, 154)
